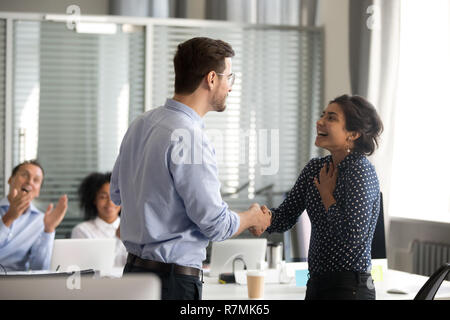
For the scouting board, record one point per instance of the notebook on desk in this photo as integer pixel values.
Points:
(80, 254)
(252, 251)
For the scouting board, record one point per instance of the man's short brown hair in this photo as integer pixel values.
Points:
(195, 58)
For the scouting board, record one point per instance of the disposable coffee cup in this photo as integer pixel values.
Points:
(255, 284)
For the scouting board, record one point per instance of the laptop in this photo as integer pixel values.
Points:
(81, 254)
(145, 286)
(252, 251)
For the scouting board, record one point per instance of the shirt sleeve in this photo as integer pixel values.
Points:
(78, 232)
(4, 233)
(194, 172)
(114, 183)
(286, 215)
(350, 219)
(41, 252)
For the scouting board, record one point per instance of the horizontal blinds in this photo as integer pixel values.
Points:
(277, 92)
(25, 90)
(2, 103)
(89, 89)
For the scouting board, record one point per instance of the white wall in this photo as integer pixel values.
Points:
(196, 9)
(333, 15)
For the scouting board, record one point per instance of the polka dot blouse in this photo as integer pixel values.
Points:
(341, 237)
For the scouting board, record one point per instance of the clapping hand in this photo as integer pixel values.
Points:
(53, 217)
(19, 203)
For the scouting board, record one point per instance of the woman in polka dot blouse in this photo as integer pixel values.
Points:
(341, 195)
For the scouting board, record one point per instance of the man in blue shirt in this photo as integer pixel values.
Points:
(26, 234)
(166, 180)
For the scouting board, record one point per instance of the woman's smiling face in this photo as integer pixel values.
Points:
(331, 132)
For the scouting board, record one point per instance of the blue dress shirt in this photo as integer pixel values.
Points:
(341, 238)
(25, 245)
(166, 180)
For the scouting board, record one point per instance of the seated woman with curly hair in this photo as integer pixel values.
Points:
(101, 213)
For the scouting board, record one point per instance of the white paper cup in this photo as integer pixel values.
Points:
(255, 284)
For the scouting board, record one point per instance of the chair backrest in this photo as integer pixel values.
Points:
(431, 287)
(144, 286)
(379, 239)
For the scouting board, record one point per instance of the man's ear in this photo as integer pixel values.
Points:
(211, 79)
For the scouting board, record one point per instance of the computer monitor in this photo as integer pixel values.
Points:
(379, 239)
(252, 251)
(81, 254)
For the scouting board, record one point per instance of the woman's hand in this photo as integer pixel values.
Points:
(327, 184)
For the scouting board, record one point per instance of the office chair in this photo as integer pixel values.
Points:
(379, 242)
(430, 288)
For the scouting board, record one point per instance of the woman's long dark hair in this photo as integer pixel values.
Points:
(87, 192)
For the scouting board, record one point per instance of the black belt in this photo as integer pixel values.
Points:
(162, 267)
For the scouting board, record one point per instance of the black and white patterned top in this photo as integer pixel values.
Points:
(341, 238)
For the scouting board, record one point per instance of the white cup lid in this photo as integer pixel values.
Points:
(256, 273)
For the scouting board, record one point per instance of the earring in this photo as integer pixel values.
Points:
(348, 146)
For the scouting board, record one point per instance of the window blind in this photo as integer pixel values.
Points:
(83, 89)
(278, 90)
(2, 104)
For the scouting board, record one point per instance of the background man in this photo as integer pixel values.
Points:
(27, 234)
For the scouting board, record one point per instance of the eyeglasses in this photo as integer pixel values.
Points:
(230, 78)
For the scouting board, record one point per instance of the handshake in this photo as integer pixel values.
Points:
(260, 219)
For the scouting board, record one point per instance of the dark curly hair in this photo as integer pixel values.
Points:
(361, 116)
(87, 192)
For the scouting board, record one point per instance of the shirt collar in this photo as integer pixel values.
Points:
(5, 203)
(350, 158)
(178, 106)
(103, 224)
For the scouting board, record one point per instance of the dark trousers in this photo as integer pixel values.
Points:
(173, 286)
(341, 286)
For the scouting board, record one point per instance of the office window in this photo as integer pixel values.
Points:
(420, 176)
(2, 103)
(74, 96)
(265, 136)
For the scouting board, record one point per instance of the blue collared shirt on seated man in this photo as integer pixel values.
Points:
(25, 245)
(169, 193)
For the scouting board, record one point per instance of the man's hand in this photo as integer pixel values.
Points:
(255, 218)
(18, 204)
(258, 231)
(53, 217)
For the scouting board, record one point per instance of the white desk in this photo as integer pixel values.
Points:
(392, 279)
